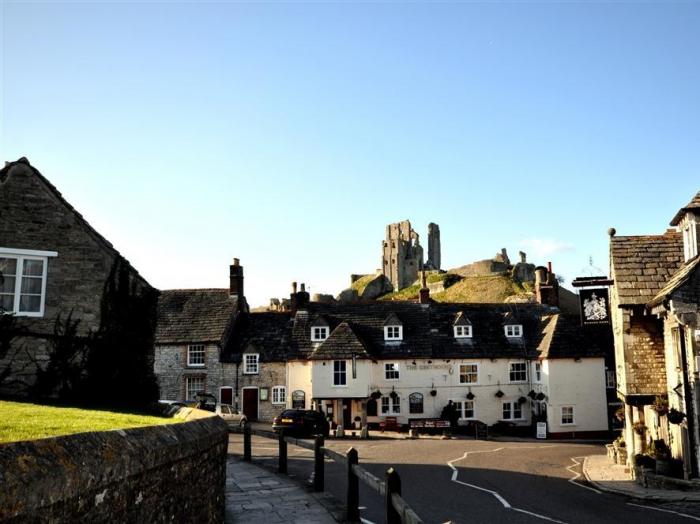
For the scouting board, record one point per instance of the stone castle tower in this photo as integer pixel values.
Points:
(402, 254)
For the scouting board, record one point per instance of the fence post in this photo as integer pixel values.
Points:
(393, 485)
(282, 464)
(246, 443)
(318, 464)
(353, 495)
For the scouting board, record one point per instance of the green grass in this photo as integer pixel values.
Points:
(485, 289)
(25, 421)
(361, 283)
(406, 293)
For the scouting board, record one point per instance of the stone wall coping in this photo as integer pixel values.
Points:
(80, 463)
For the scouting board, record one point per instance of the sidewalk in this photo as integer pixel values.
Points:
(256, 495)
(600, 471)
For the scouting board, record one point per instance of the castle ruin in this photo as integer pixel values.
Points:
(402, 254)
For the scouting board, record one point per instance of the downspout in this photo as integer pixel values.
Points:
(689, 408)
(238, 365)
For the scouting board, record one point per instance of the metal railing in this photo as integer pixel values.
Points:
(396, 509)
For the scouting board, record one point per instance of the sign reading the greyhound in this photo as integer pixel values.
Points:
(594, 306)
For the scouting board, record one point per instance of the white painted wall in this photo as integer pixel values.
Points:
(579, 384)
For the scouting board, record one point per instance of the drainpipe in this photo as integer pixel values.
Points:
(238, 365)
(688, 401)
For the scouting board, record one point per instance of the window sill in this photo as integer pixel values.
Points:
(196, 366)
(251, 372)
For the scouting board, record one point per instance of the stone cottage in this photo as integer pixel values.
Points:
(53, 265)
(655, 300)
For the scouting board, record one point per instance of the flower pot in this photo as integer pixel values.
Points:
(663, 466)
(499, 393)
(433, 392)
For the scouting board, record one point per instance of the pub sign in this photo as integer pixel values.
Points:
(595, 306)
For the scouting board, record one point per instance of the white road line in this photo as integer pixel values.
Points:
(495, 494)
(365, 521)
(665, 511)
(577, 475)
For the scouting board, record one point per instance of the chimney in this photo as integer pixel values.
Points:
(546, 286)
(236, 281)
(424, 293)
(299, 299)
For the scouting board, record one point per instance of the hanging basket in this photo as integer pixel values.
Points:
(433, 392)
(675, 416)
(532, 394)
(540, 396)
(522, 400)
(394, 395)
(470, 396)
(499, 393)
(376, 395)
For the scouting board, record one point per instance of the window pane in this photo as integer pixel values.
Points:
(7, 302)
(30, 303)
(31, 285)
(8, 266)
(7, 284)
(34, 268)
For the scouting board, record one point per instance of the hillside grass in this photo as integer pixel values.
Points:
(26, 421)
(361, 283)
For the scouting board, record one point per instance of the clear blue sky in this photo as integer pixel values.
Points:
(288, 134)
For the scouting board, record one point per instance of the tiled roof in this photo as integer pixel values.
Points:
(194, 315)
(679, 278)
(428, 332)
(343, 342)
(642, 265)
(564, 337)
(693, 204)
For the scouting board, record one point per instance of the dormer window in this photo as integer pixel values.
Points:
(463, 331)
(393, 333)
(690, 237)
(319, 333)
(514, 330)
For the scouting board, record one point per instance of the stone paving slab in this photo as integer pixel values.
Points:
(600, 471)
(256, 495)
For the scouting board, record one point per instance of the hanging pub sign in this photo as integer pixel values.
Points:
(595, 306)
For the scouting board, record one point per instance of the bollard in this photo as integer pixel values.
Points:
(282, 467)
(393, 485)
(246, 443)
(352, 501)
(318, 464)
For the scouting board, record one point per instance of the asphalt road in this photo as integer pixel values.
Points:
(467, 481)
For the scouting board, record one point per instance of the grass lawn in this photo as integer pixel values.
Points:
(25, 421)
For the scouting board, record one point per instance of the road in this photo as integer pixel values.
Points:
(467, 481)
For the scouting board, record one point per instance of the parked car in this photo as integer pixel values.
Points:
(301, 422)
(207, 402)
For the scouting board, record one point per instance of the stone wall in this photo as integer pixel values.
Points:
(271, 374)
(172, 473)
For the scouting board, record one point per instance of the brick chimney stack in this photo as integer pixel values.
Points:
(424, 293)
(546, 286)
(299, 300)
(236, 281)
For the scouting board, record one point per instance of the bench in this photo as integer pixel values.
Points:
(389, 423)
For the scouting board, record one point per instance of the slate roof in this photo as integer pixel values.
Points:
(428, 332)
(194, 316)
(679, 278)
(642, 265)
(693, 204)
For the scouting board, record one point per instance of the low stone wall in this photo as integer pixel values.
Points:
(171, 473)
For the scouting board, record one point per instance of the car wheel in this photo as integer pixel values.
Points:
(243, 422)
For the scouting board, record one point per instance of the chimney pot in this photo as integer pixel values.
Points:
(549, 267)
(303, 287)
(294, 287)
(236, 262)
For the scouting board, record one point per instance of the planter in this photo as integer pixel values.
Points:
(499, 393)
(470, 396)
(433, 392)
(622, 456)
(675, 416)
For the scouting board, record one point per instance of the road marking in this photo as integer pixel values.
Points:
(577, 475)
(495, 494)
(665, 511)
(365, 521)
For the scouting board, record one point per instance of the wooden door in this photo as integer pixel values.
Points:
(250, 403)
(226, 395)
(347, 413)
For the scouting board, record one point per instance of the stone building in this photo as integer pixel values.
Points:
(654, 301)
(402, 254)
(53, 265)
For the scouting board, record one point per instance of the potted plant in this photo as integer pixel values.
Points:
(376, 395)
(620, 414)
(540, 396)
(499, 393)
(433, 392)
(532, 394)
(470, 396)
(659, 450)
(675, 416)
(660, 405)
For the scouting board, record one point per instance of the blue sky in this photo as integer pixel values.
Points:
(289, 134)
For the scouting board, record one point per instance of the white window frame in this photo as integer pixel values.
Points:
(461, 407)
(337, 372)
(20, 255)
(188, 388)
(279, 395)
(393, 407)
(476, 364)
(319, 333)
(511, 371)
(537, 373)
(251, 366)
(572, 415)
(610, 379)
(463, 331)
(513, 330)
(512, 405)
(394, 370)
(198, 349)
(393, 333)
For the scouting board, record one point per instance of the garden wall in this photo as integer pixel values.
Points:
(170, 473)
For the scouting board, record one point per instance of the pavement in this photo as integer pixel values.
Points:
(607, 476)
(256, 495)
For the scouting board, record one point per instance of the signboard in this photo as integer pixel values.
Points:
(541, 430)
(595, 306)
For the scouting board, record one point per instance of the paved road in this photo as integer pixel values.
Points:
(466, 481)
